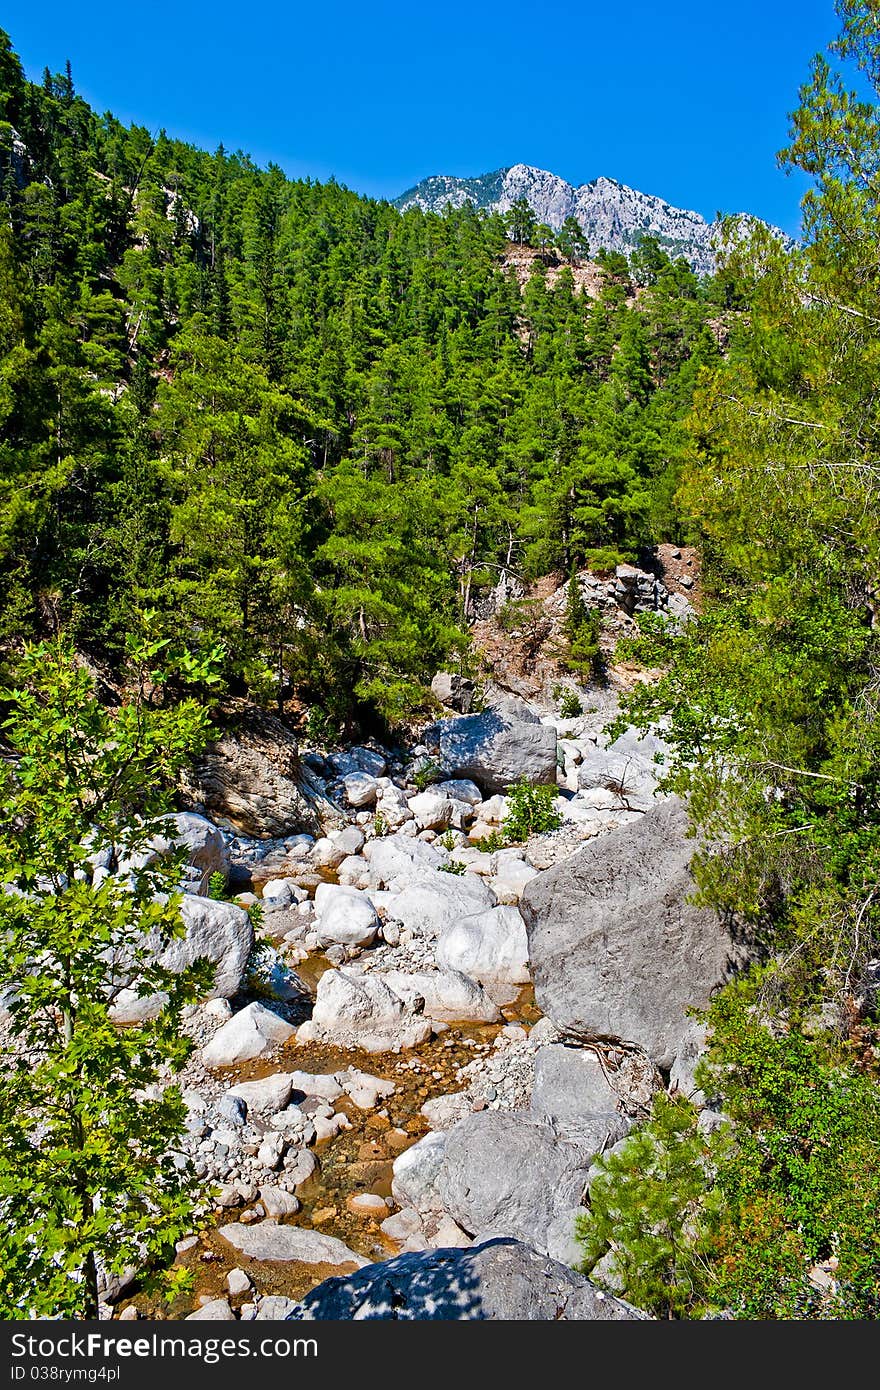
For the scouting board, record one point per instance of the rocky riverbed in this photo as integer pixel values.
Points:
(433, 1032)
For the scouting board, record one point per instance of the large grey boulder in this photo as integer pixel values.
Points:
(435, 901)
(505, 1173)
(500, 1280)
(216, 931)
(625, 770)
(495, 751)
(616, 949)
(252, 778)
(571, 1091)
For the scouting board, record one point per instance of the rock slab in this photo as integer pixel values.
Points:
(616, 949)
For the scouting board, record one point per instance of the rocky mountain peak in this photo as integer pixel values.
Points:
(611, 214)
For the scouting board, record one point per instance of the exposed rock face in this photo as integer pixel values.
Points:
(612, 215)
(252, 777)
(499, 1280)
(495, 750)
(616, 950)
(506, 1173)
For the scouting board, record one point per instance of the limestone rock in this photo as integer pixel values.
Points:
(571, 1091)
(217, 1310)
(207, 852)
(266, 1096)
(353, 1010)
(250, 1033)
(266, 1240)
(432, 903)
(447, 995)
(253, 778)
(417, 1172)
(495, 752)
(217, 931)
(454, 691)
(490, 946)
(616, 950)
(396, 862)
(344, 916)
(506, 1173)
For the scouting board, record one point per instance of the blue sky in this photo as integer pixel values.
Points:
(686, 99)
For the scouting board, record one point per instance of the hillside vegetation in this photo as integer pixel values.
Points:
(294, 434)
(278, 416)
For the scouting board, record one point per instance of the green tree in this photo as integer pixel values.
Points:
(88, 1177)
(521, 222)
(572, 241)
(650, 1214)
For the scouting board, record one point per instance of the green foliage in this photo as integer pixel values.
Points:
(255, 912)
(86, 1168)
(301, 424)
(570, 706)
(491, 843)
(582, 627)
(651, 1211)
(426, 773)
(453, 867)
(744, 1218)
(217, 887)
(530, 811)
(802, 1185)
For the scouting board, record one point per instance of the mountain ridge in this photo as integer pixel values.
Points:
(612, 214)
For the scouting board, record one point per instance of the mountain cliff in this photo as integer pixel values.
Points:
(611, 214)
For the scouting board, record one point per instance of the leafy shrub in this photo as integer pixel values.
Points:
(569, 705)
(774, 1216)
(217, 887)
(453, 867)
(489, 844)
(530, 811)
(425, 774)
(650, 1214)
